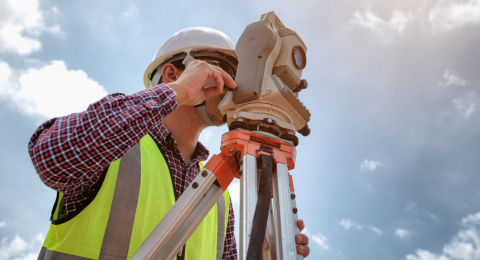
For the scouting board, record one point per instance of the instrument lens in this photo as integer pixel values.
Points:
(299, 57)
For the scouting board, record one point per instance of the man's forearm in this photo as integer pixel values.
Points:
(70, 152)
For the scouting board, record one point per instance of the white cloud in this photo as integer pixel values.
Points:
(21, 23)
(3, 224)
(19, 249)
(451, 79)
(130, 12)
(434, 217)
(206, 135)
(369, 20)
(370, 165)
(31, 256)
(318, 239)
(425, 255)
(345, 223)
(376, 230)
(471, 219)
(466, 105)
(464, 246)
(5, 72)
(49, 91)
(7, 87)
(401, 233)
(450, 14)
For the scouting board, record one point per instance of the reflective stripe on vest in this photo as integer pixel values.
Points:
(136, 194)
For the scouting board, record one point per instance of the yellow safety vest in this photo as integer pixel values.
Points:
(135, 195)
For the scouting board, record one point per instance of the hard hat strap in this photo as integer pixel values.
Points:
(202, 110)
(156, 78)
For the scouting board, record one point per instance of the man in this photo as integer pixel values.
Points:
(121, 164)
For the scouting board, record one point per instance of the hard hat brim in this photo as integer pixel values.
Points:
(157, 62)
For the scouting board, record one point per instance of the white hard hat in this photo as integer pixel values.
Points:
(189, 41)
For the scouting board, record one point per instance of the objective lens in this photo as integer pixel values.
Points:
(299, 57)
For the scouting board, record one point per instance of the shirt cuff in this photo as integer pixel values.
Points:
(159, 96)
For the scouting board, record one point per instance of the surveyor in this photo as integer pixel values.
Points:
(120, 165)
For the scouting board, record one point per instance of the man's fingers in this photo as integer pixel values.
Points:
(301, 239)
(300, 224)
(192, 82)
(303, 250)
(228, 80)
(209, 92)
(216, 74)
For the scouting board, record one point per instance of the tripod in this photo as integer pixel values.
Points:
(241, 153)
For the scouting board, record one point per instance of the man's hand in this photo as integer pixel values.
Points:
(300, 239)
(190, 85)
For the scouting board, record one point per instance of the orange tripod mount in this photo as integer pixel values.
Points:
(242, 142)
(247, 148)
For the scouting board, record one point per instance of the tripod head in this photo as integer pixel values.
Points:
(271, 60)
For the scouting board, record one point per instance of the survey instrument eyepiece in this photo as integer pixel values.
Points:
(271, 60)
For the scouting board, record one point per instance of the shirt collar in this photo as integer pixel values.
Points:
(164, 135)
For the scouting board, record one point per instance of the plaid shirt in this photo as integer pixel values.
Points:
(69, 153)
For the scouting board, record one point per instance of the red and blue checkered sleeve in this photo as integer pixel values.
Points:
(70, 152)
(230, 247)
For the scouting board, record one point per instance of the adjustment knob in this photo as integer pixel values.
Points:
(302, 85)
(305, 131)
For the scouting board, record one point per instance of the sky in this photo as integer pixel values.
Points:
(391, 169)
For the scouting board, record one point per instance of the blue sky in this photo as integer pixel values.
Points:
(391, 169)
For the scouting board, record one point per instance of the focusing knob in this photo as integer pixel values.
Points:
(305, 131)
(302, 85)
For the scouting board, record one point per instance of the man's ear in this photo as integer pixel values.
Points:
(170, 73)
